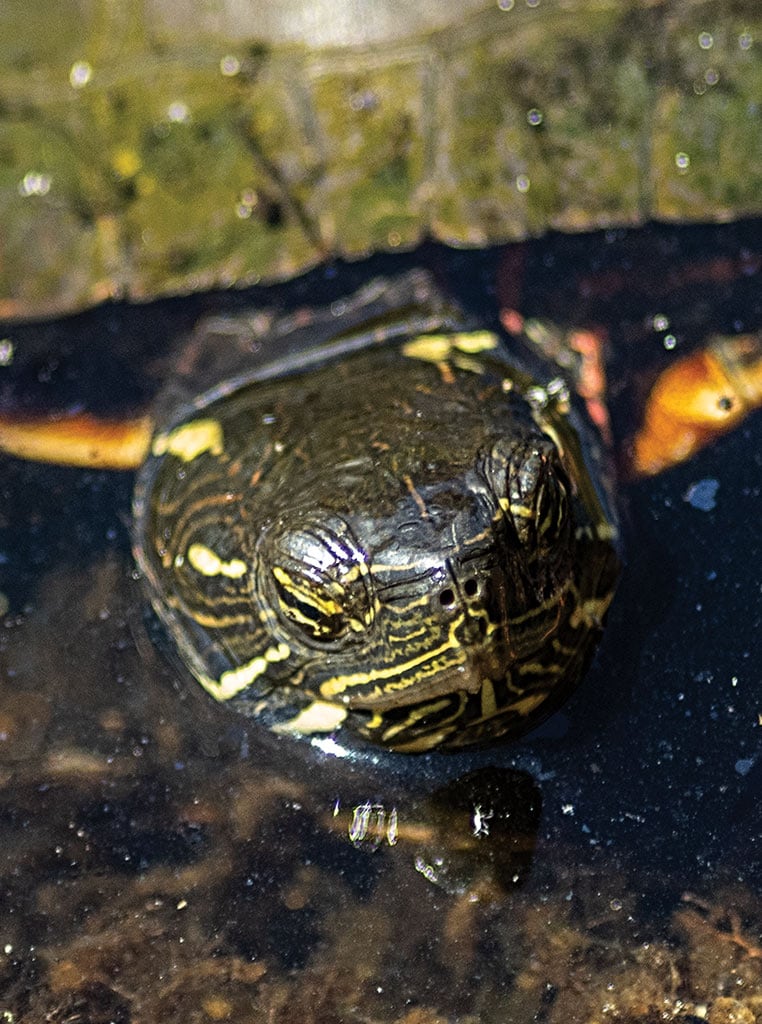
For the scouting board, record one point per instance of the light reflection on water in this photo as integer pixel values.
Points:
(160, 860)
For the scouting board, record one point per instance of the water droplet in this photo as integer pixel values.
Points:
(505, 5)
(711, 76)
(534, 117)
(366, 99)
(230, 65)
(80, 74)
(705, 40)
(660, 322)
(6, 351)
(682, 162)
(35, 183)
(745, 41)
(669, 341)
(178, 112)
(522, 182)
(246, 204)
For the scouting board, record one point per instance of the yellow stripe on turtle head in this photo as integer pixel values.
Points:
(318, 717)
(209, 563)
(190, 440)
(234, 680)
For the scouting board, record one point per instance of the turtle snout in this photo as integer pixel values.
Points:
(464, 598)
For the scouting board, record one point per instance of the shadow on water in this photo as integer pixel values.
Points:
(162, 860)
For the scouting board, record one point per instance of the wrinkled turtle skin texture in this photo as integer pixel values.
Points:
(397, 533)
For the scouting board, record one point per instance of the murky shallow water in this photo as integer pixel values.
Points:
(160, 860)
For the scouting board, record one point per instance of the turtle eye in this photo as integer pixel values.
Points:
(538, 496)
(315, 577)
(534, 492)
(316, 609)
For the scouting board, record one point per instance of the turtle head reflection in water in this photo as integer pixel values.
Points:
(395, 530)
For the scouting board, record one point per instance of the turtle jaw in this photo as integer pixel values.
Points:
(455, 671)
(466, 677)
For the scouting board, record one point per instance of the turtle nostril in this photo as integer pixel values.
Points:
(447, 598)
(471, 588)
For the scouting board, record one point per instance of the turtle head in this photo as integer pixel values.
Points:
(393, 544)
(402, 611)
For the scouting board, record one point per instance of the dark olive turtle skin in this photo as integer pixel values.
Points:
(403, 536)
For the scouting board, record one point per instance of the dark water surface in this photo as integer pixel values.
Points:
(162, 860)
